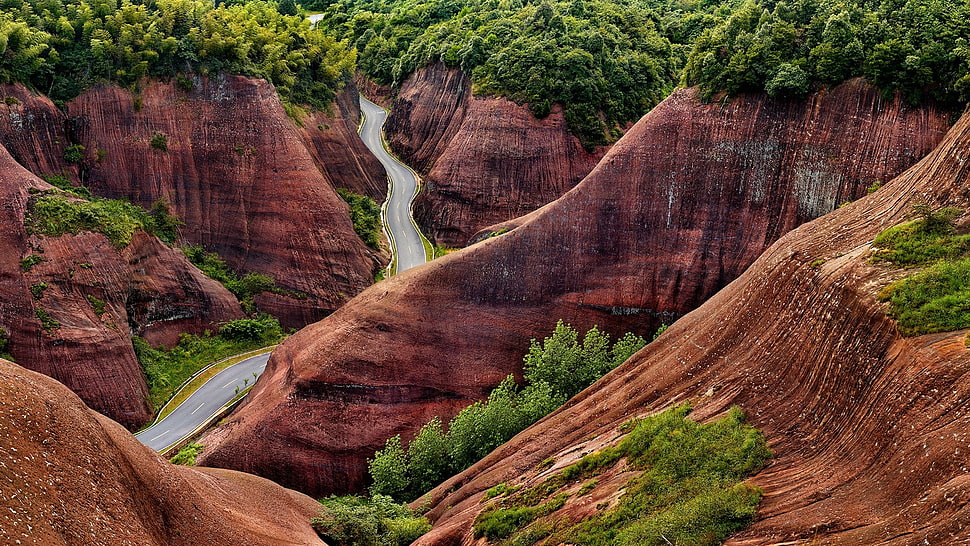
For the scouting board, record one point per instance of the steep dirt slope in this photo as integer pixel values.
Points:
(72, 476)
(869, 429)
(97, 297)
(484, 160)
(677, 209)
(238, 173)
(338, 151)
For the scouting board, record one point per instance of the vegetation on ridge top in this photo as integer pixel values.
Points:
(62, 47)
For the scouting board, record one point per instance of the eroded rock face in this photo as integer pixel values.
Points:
(71, 314)
(72, 476)
(677, 209)
(868, 429)
(238, 172)
(332, 140)
(33, 130)
(483, 160)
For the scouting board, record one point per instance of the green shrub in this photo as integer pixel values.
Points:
(37, 290)
(927, 239)
(30, 261)
(555, 370)
(187, 454)
(47, 322)
(264, 329)
(96, 304)
(361, 521)
(74, 154)
(366, 216)
(63, 183)
(688, 489)
(159, 141)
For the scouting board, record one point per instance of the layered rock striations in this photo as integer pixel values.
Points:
(72, 476)
(676, 210)
(237, 171)
(331, 138)
(483, 160)
(70, 304)
(868, 428)
(34, 131)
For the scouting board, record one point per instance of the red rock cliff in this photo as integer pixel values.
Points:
(483, 160)
(868, 429)
(146, 288)
(72, 476)
(238, 173)
(338, 151)
(677, 209)
(33, 130)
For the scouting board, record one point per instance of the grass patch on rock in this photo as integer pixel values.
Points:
(689, 489)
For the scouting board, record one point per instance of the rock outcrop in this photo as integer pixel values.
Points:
(677, 209)
(70, 304)
(34, 131)
(338, 151)
(237, 171)
(72, 476)
(868, 429)
(483, 160)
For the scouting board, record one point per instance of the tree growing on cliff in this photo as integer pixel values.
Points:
(555, 370)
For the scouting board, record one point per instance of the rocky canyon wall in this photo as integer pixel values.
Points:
(483, 159)
(868, 428)
(70, 304)
(238, 172)
(677, 209)
(72, 476)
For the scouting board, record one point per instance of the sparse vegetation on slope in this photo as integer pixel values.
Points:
(937, 298)
(555, 371)
(689, 489)
(245, 287)
(366, 216)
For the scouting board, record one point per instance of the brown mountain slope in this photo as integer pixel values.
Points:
(98, 297)
(869, 429)
(238, 173)
(72, 476)
(484, 160)
(677, 209)
(33, 130)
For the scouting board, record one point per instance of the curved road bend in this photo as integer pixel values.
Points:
(408, 246)
(203, 403)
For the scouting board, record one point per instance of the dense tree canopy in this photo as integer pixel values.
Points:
(60, 47)
(606, 61)
(790, 47)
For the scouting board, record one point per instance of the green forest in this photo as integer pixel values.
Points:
(62, 47)
(609, 61)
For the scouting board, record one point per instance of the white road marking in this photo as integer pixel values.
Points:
(198, 408)
(229, 383)
(160, 435)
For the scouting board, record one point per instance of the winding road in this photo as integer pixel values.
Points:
(407, 246)
(203, 404)
(406, 242)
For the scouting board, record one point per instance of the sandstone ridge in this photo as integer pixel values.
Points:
(483, 159)
(72, 476)
(868, 428)
(70, 304)
(676, 210)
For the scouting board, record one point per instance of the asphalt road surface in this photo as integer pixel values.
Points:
(408, 247)
(203, 403)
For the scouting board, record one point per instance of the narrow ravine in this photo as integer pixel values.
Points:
(406, 242)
